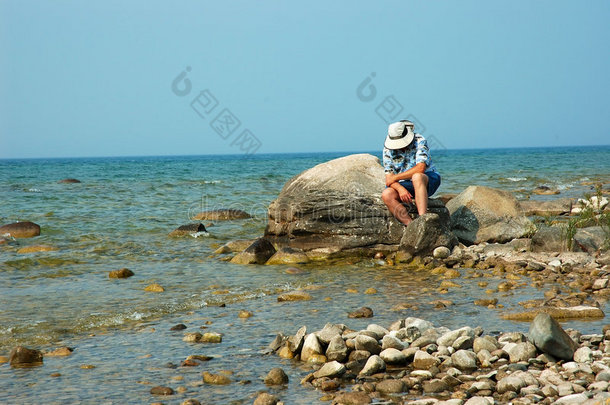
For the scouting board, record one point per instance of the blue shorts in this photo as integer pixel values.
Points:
(434, 181)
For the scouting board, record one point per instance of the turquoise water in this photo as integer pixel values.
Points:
(120, 215)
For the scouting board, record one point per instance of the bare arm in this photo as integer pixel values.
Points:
(393, 178)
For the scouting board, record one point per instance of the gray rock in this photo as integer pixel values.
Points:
(520, 351)
(379, 331)
(424, 361)
(295, 343)
(552, 208)
(367, 343)
(393, 356)
(441, 252)
(583, 355)
(548, 239)
(574, 399)
(257, 253)
(188, 229)
(449, 338)
(483, 214)
(373, 365)
(390, 386)
(480, 401)
(408, 335)
(331, 369)
(276, 376)
(549, 337)
(488, 343)
(426, 233)
(328, 332)
(311, 346)
(391, 342)
(589, 239)
(434, 385)
(463, 343)
(421, 324)
(464, 360)
(337, 349)
(511, 383)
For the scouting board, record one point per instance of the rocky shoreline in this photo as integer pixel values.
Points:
(412, 362)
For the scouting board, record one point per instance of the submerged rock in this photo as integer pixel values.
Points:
(221, 215)
(24, 229)
(37, 248)
(483, 214)
(188, 230)
(288, 255)
(120, 273)
(69, 181)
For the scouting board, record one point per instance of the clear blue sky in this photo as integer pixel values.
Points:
(94, 78)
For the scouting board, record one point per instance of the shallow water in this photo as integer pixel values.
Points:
(119, 216)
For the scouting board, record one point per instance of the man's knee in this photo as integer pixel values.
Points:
(419, 178)
(388, 195)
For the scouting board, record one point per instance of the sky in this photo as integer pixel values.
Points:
(146, 77)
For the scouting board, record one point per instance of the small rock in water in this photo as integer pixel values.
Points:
(221, 215)
(276, 376)
(188, 230)
(61, 351)
(69, 181)
(121, 273)
(24, 229)
(244, 314)
(190, 401)
(25, 357)
(154, 288)
(192, 337)
(364, 312)
(215, 379)
(160, 390)
(211, 337)
(180, 326)
(294, 296)
(370, 290)
(265, 398)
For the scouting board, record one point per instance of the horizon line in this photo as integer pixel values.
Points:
(288, 153)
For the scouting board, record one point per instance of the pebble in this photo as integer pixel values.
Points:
(265, 398)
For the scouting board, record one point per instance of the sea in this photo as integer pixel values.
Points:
(120, 215)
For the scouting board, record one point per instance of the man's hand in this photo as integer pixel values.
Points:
(389, 179)
(404, 195)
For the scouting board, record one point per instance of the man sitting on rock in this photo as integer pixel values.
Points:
(409, 172)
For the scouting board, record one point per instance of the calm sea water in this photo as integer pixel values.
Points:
(119, 216)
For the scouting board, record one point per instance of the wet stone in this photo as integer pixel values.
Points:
(364, 312)
(24, 357)
(265, 398)
(179, 326)
(391, 386)
(276, 376)
(160, 390)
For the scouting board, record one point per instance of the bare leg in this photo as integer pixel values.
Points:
(392, 201)
(420, 185)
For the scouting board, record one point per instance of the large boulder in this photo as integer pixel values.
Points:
(483, 214)
(24, 229)
(590, 239)
(560, 206)
(337, 206)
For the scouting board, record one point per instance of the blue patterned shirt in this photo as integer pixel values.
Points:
(400, 160)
